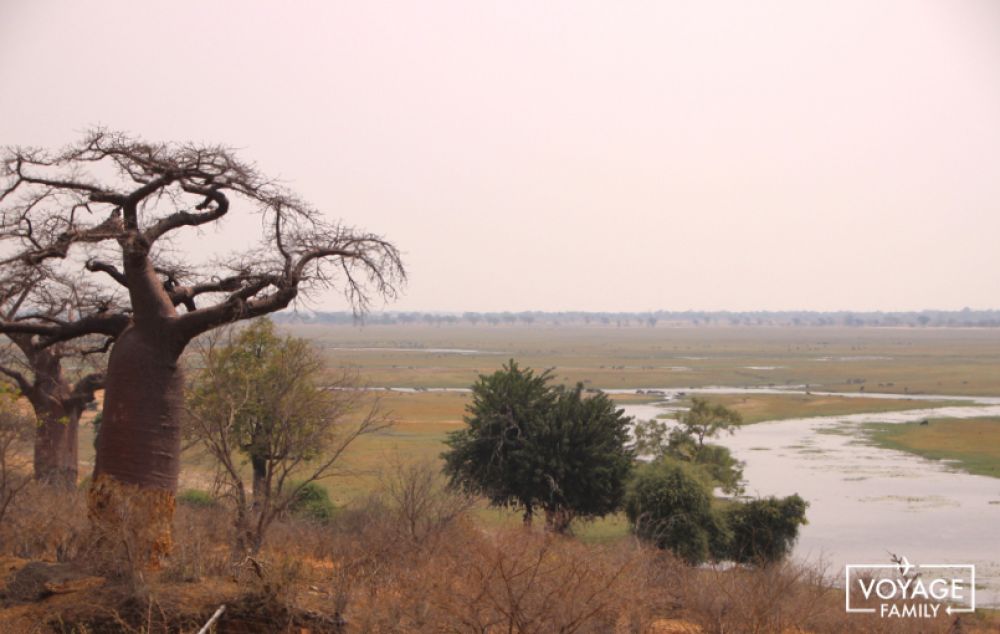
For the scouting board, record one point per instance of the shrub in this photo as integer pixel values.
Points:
(764, 530)
(417, 499)
(196, 498)
(669, 503)
(312, 501)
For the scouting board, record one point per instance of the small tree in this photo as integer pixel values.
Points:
(705, 420)
(669, 503)
(263, 398)
(530, 446)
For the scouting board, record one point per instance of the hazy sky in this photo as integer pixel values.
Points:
(574, 155)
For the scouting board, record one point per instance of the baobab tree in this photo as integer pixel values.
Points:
(108, 205)
(38, 369)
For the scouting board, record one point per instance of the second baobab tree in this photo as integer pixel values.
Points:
(108, 206)
(59, 379)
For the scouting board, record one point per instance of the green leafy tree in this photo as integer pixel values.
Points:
(534, 447)
(488, 456)
(579, 457)
(669, 503)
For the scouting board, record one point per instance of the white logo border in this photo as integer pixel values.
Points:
(948, 609)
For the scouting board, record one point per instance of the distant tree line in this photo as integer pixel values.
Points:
(965, 318)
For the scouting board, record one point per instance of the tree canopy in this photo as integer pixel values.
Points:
(669, 504)
(115, 197)
(685, 441)
(488, 456)
(707, 420)
(669, 500)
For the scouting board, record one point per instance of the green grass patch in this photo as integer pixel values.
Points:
(970, 444)
(756, 408)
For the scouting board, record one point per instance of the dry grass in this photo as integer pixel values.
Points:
(409, 559)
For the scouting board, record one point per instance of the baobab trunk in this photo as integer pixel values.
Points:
(56, 444)
(131, 500)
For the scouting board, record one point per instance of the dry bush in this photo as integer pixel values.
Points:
(408, 517)
(370, 571)
(773, 598)
(16, 430)
(368, 544)
(45, 523)
(781, 597)
(201, 544)
(419, 502)
(515, 581)
(410, 559)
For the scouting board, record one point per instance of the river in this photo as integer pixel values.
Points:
(866, 502)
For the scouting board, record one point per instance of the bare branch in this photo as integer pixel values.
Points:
(105, 267)
(83, 391)
(62, 208)
(110, 325)
(188, 219)
(23, 384)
